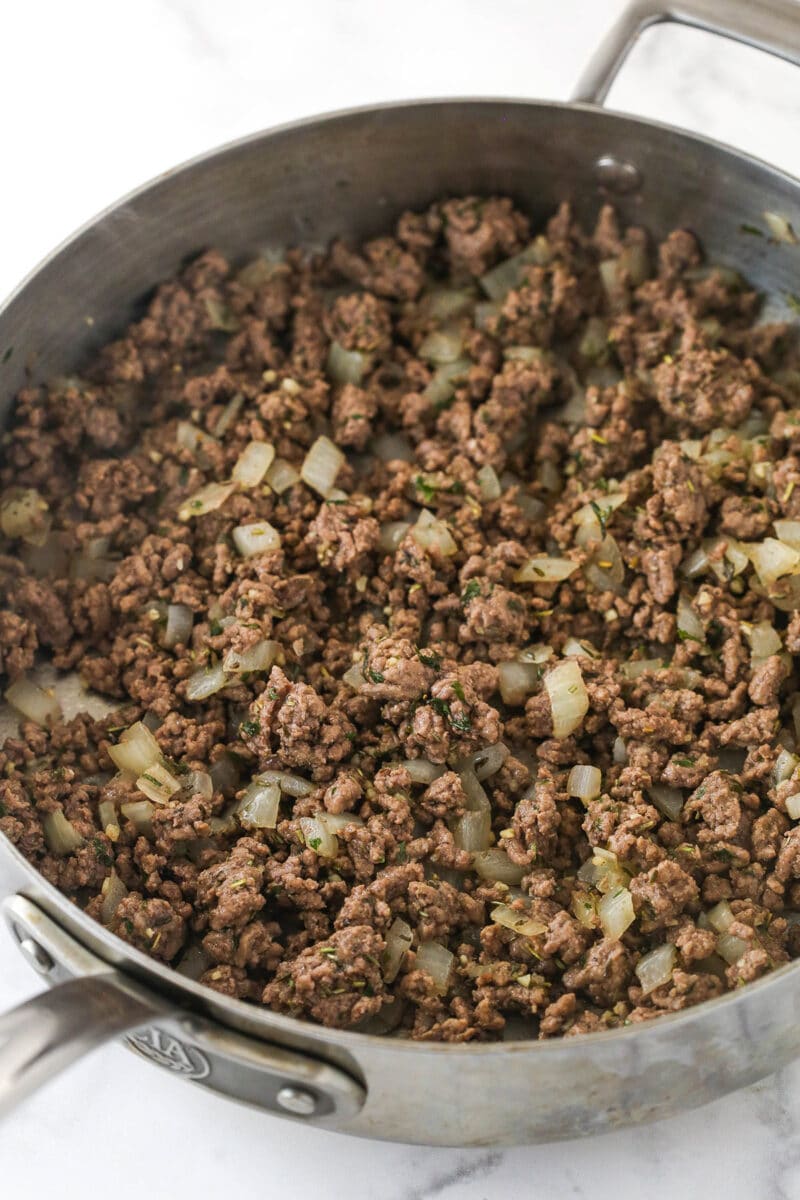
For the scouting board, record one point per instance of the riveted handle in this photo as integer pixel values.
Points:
(770, 25)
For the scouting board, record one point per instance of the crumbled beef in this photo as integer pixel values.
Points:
(355, 726)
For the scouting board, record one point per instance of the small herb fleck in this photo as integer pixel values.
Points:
(753, 230)
(472, 590)
(249, 728)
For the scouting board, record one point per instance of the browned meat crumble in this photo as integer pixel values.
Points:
(499, 571)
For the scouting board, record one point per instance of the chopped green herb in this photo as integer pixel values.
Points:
(272, 693)
(459, 691)
(456, 720)
(602, 515)
(429, 659)
(402, 853)
(249, 728)
(753, 230)
(314, 843)
(374, 676)
(683, 762)
(425, 489)
(689, 637)
(472, 590)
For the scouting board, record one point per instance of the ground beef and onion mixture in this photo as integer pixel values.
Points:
(446, 592)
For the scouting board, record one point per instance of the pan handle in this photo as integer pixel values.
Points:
(43, 1036)
(771, 25)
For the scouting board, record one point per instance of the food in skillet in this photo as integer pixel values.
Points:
(447, 592)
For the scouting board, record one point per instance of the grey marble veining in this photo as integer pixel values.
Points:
(101, 97)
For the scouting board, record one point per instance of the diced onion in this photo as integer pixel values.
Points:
(473, 830)
(793, 805)
(603, 871)
(392, 447)
(321, 466)
(220, 316)
(157, 783)
(33, 703)
(258, 807)
(772, 559)
(585, 783)
(23, 515)
(437, 961)
(335, 822)
(139, 813)
(208, 499)
(194, 963)
(780, 228)
(689, 624)
(788, 532)
(443, 303)
(433, 534)
(253, 463)
(107, 814)
(398, 942)
(668, 800)
(489, 483)
(730, 947)
(422, 771)
(281, 476)
(198, 783)
(190, 437)
(616, 913)
(545, 569)
(258, 657)
(579, 648)
(60, 834)
(508, 274)
(495, 866)
(619, 751)
(292, 785)
(318, 838)
(345, 366)
(477, 800)
(569, 700)
(444, 381)
(392, 534)
(487, 762)
(764, 639)
(721, 917)
(258, 538)
(179, 625)
(638, 666)
(587, 514)
(606, 570)
(206, 682)
(518, 922)
(785, 766)
(518, 680)
(441, 347)
(113, 892)
(655, 968)
(354, 677)
(136, 750)
(224, 774)
(540, 653)
(228, 415)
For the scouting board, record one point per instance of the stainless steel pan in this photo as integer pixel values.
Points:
(353, 173)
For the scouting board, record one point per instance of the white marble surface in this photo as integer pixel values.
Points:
(98, 97)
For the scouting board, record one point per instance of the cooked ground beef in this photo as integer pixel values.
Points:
(561, 530)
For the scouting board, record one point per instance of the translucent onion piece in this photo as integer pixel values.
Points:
(518, 680)
(441, 347)
(437, 961)
(720, 917)
(539, 653)
(292, 785)
(179, 625)
(318, 838)
(584, 906)
(113, 892)
(655, 968)
(507, 275)
(281, 476)
(607, 505)
(253, 463)
(33, 703)
(616, 913)
(763, 638)
(136, 750)
(545, 569)
(443, 384)
(619, 752)
(495, 866)
(258, 807)
(228, 415)
(198, 783)
(107, 814)
(60, 834)
(780, 228)
(473, 830)
(442, 303)
(603, 871)
(392, 447)
(345, 366)
(220, 316)
(321, 466)
(157, 783)
(258, 657)
(793, 805)
(638, 666)
(489, 483)
(354, 677)
(206, 682)
(585, 783)
(258, 538)
(208, 499)
(696, 563)
(335, 822)
(569, 700)
(477, 799)
(518, 922)
(190, 437)
(139, 813)
(730, 947)
(573, 648)
(432, 534)
(690, 626)
(594, 342)
(23, 514)
(392, 534)
(398, 942)
(788, 532)
(772, 559)
(785, 765)
(224, 775)
(606, 569)
(194, 963)
(487, 762)
(668, 800)
(226, 823)
(422, 771)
